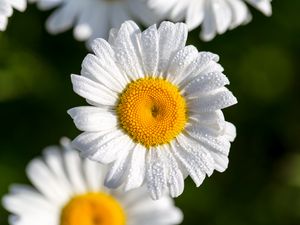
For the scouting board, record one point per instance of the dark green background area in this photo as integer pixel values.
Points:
(262, 183)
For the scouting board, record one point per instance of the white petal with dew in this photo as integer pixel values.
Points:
(205, 83)
(88, 143)
(127, 50)
(89, 118)
(118, 171)
(108, 151)
(150, 50)
(93, 91)
(136, 174)
(212, 101)
(172, 38)
(178, 65)
(175, 180)
(155, 173)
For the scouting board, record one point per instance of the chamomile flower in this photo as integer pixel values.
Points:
(69, 191)
(6, 10)
(93, 18)
(156, 109)
(216, 16)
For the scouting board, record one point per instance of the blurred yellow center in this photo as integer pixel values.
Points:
(152, 111)
(93, 209)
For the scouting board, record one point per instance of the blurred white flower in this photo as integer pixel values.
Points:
(156, 109)
(94, 18)
(216, 16)
(6, 10)
(69, 191)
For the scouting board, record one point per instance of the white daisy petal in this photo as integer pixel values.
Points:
(204, 63)
(159, 118)
(172, 38)
(205, 83)
(54, 161)
(92, 69)
(126, 47)
(178, 65)
(104, 68)
(31, 207)
(88, 143)
(19, 5)
(175, 180)
(221, 161)
(195, 14)
(93, 91)
(113, 33)
(211, 121)
(212, 101)
(94, 174)
(22, 194)
(92, 119)
(74, 172)
(120, 15)
(240, 13)
(176, 13)
(40, 219)
(187, 161)
(263, 5)
(108, 151)
(222, 14)
(144, 14)
(150, 50)
(83, 28)
(93, 18)
(62, 19)
(47, 4)
(199, 159)
(155, 173)
(208, 30)
(45, 181)
(219, 144)
(3, 22)
(230, 131)
(214, 16)
(137, 168)
(6, 10)
(119, 170)
(149, 213)
(98, 11)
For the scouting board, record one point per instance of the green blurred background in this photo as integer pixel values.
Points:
(262, 183)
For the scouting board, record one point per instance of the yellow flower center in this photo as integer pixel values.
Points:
(152, 111)
(93, 209)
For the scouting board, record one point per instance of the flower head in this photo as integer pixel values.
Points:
(216, 16)
(156, 109)
(69, 191)
(93, 18)
(6, 10)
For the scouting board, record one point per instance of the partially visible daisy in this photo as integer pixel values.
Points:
(216, 16)
(69, 190)
(6, 10)
(94, 18)
(156, 109)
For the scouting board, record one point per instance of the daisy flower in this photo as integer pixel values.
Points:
(216, 16)
(6, 10)
(69, 191)
(156, 109)
(93, 18)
